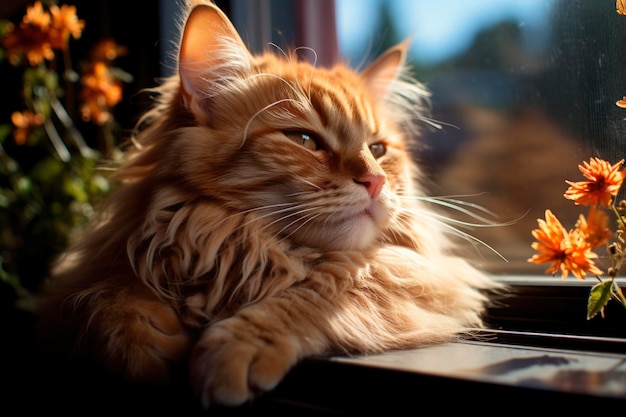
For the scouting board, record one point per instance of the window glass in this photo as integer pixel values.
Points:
(523, 92)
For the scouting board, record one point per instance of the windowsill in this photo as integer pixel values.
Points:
(461, 376)
(541, 353)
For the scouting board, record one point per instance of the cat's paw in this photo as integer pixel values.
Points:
(146, 342)
(233, 362)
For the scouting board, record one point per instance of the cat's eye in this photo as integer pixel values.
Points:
(378, 149)
(308, 140)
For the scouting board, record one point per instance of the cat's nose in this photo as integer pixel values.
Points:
(372, 182)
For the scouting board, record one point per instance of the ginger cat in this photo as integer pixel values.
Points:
(267, 211)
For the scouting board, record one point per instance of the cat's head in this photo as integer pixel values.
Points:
(319, 155)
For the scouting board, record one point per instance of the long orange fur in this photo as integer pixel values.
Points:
(269, 210)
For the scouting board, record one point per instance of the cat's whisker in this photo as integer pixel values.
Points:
(311, 184)
(473, 239)
(270, 206)
(483, 209)
(281, 50)
(313, 67)
(329, 218)
(411, 99)
(287, 83)
(314, 63)
(310, 218)
(287, 57)
(445, 223)
(454, 199)
(437, 124)
(471, 224)
(286, 207)
(431, 122)
(364, 59)
(457, 206)
(300, 193)
(254, 116)
(460, 206)
(294, 206)
(280, 219)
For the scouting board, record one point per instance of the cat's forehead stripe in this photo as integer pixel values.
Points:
(343, 111)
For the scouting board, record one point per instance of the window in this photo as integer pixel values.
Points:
(523, 92)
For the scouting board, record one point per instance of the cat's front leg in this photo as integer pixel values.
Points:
(249, 353)
(128, 330)
(145, 340)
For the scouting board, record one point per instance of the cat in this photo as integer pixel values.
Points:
(267, 210)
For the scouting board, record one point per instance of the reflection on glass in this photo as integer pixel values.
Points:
(523, 91)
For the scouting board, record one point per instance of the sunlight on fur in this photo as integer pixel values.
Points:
(267, 210)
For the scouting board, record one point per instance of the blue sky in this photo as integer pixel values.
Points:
(440, 28)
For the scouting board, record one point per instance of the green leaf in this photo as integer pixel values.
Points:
(5, 131)
(47, 171)
(75, 187)
(7, 277)
(4, 200)
(598, 298)
(23, 186)
(5, 27)
(99, 185)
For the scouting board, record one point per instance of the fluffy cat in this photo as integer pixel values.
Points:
(269, 210)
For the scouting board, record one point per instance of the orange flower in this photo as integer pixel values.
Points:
(40, 32)
(31, 38)
(621, 103)
(24, 124)
(101, 91)
(107, 50)
(595, 228)
(566, 251)
(64, 23)
(604, 183)
(33, 35)
(36, 16)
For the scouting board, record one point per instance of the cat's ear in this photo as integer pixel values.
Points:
(381, 73)
(210, 48)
